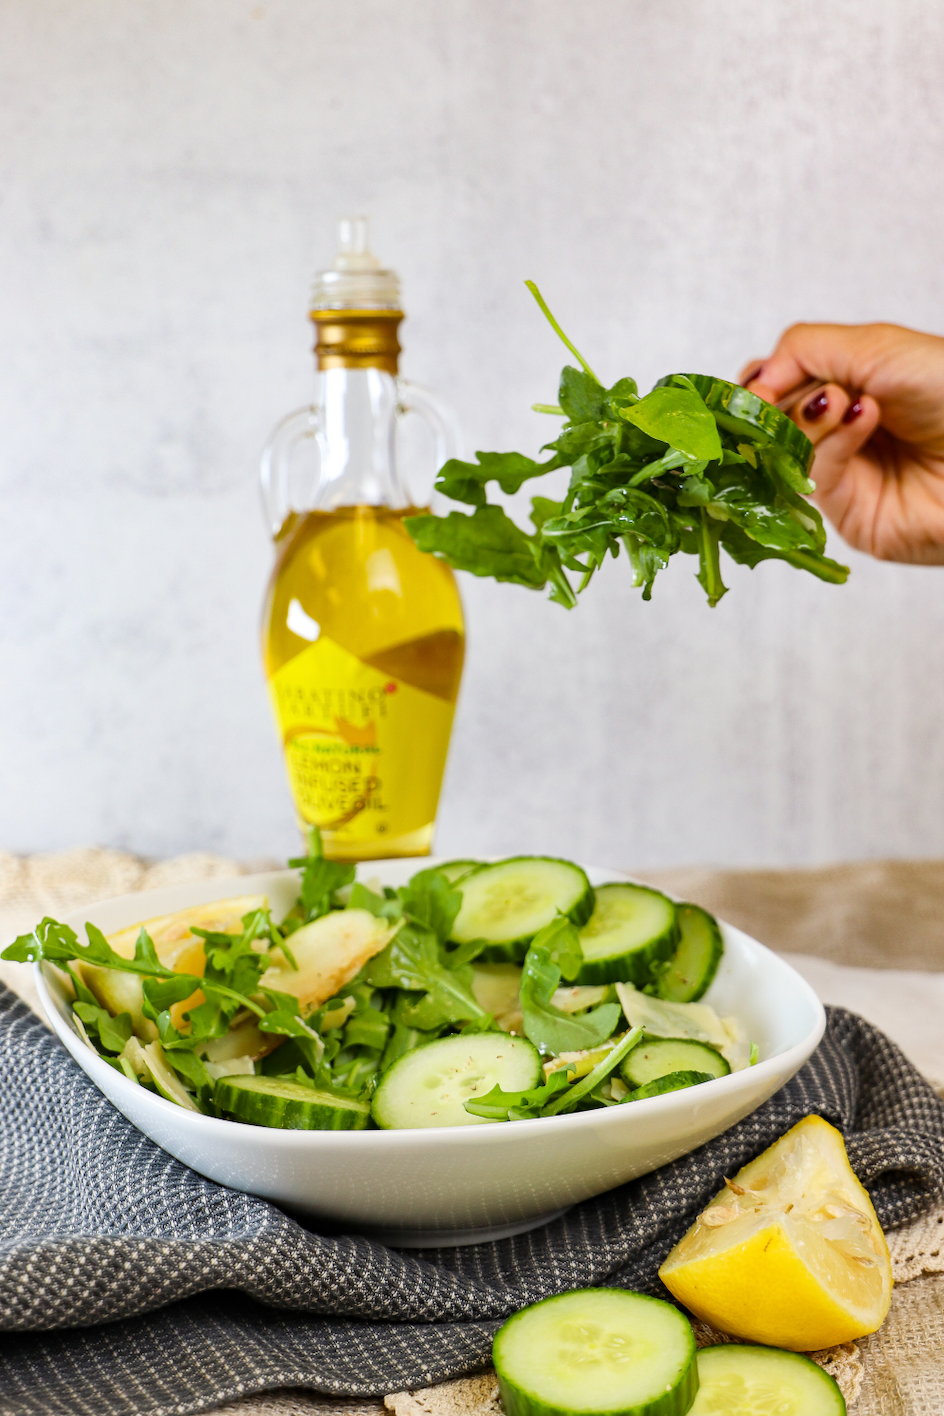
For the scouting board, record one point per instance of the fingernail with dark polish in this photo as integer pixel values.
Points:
(816, 407)
(852, 412)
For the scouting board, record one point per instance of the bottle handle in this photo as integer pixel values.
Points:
(437, 415)
(276, 465)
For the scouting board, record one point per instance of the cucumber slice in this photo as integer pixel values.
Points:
(598, 1350)
(672, 1082)
(430, 1086)
(631, 928)
(741, 1381)
(276, 1101)
(658, 1056)
(697, 957)
(739, 411)
(507, 903)
(455, 870)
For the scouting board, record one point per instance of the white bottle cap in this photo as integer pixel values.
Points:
(356, 280)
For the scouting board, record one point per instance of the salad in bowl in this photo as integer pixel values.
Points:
(477, 992)
(432, 1055)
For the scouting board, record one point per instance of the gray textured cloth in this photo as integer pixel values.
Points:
(131, 1285)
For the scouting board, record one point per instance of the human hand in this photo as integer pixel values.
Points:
(878, 428)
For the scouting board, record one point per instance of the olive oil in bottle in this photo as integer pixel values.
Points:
(363, 635)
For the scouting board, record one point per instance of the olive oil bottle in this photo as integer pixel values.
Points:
(362, 634)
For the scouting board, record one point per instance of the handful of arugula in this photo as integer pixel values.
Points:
(696, 464)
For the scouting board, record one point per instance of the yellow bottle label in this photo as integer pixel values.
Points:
(365, 752)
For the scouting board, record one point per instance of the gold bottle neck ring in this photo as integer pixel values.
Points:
(357, 339)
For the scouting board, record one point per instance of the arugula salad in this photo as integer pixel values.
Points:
(696, 465)
(478, 992)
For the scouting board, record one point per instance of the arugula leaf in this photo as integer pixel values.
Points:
(412, 961)
(430, 900)
(745, 551)
(285, 1016)
(369, 1028)
(112, 1033)
(60, 945)
(363, 899)
(679, 417)
(623, 393)
(320, 877)
(498, 1105)
(160, 994)
(562, 942)
(542, 510)
(485, 543)
(550, 1029)
(709, 569)
(580, 395)
(465, 481)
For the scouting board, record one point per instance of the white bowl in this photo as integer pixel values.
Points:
(456, 1184)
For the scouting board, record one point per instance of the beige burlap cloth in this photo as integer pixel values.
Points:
(868, 936)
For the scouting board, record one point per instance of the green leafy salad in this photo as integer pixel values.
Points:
(695, 465)
(478, 992)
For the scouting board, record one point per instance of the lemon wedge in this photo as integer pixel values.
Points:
(790, 1253)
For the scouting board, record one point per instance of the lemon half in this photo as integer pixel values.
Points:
(790, 1253)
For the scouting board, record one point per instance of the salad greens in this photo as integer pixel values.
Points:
(358, 978)
(695, 465)
(551, 1029)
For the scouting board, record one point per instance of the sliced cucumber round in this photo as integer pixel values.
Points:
(276, 1101)
(507, 903)
(631, 928)
(739, 411)
(672, 1082)
(695, 961)
(430, 1086)
(598, 1351)
(658, 1056)
(741, 1381)
(456, 870)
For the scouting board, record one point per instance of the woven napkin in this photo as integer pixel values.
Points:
(131, 1286)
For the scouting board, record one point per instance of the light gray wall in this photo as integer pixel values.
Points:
(682, 178)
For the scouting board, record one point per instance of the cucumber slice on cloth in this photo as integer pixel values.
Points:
(741, 1381)
(632, 927)
(695, 961)
(507, 903)
(597, 1352)
(658, 1056)
(671, 1082)
(430, 1086)
(276, 1101)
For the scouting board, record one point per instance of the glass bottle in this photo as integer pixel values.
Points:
(362, 634)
